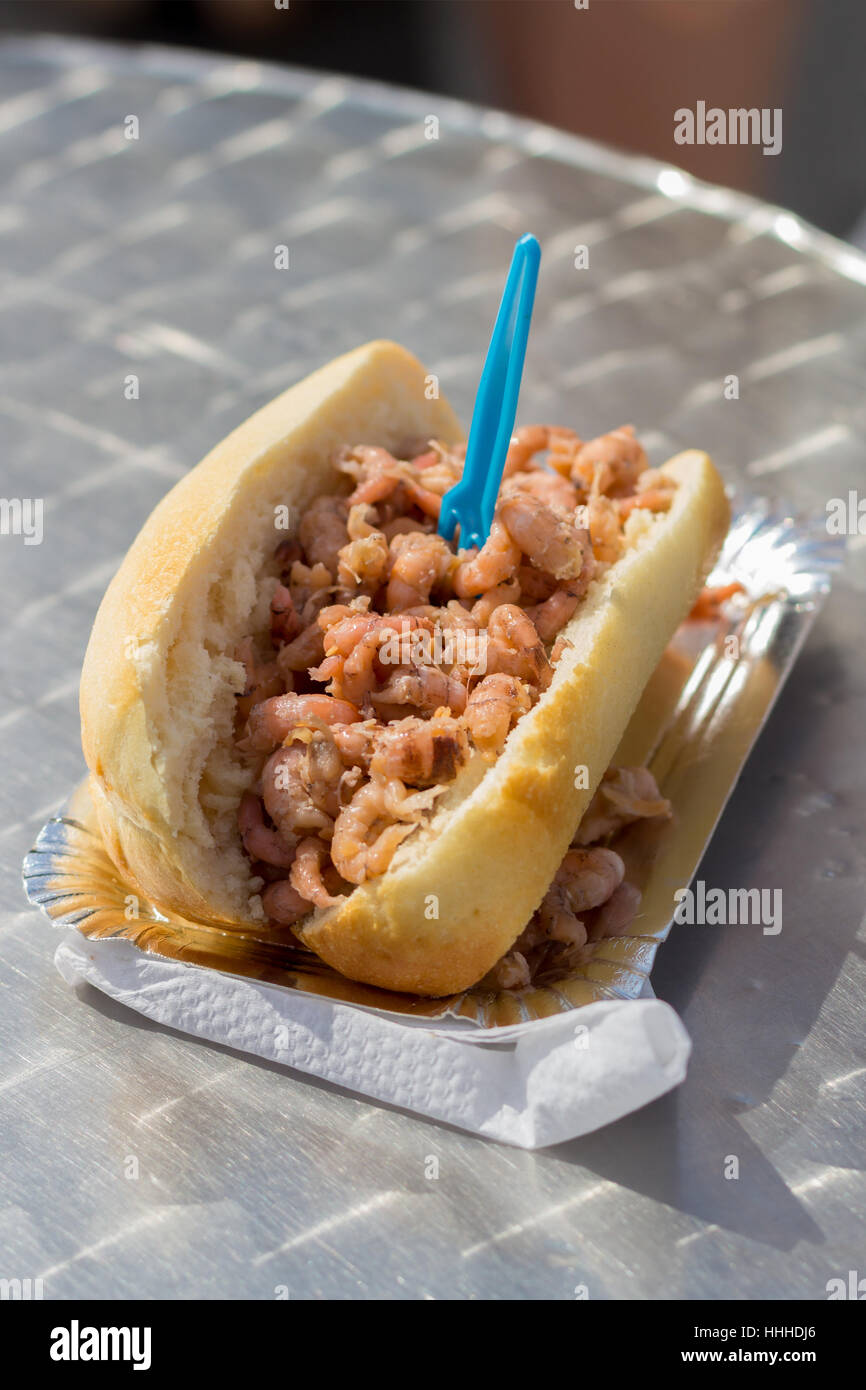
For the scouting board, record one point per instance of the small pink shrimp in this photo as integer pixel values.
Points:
(299, 787)
(286, 554)
(305, 651)
(605, 530)
(616, 915)
(456, 615)
(309, 649)
(419, 564)
(611, 463)
(269, 846)
(502, 593)
(285, 623)
(283, 904)
(355, 742)
(427, 501)
(359, 676)
(404, 526)
(310, 586)
(707, 605)
(361, 668)
(656, 500)
(358, 524)
(306, 875)
(557, 919)
(624, 795)
(535, 585)
(420, 752)
(453, 616)
(263, 679)
(493, 708)
(552, 615)
(344, 627)
(340, 629)
(439, 475)
(511, 971)
(514, 647)
(322, 531)
(426, 460)
(376, 473)
(551, 541)
(525, 443)
(550, 488)
(562, 447)
(653, 479)
(493, 564)
(273, 720)
(589, 876)
(363, 562)
(529, 440)
(363, 845)
(329, 673)
(426, 688)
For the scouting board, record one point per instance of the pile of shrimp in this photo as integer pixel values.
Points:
(350, 735)
(591, 896)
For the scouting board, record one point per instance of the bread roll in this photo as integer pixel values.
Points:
(159, 687)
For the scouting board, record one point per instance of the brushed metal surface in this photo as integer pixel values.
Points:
(140, 1163)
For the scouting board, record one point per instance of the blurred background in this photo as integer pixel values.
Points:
(615, 70)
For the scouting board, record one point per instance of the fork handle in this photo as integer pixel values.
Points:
(510, 335)
(472, 501)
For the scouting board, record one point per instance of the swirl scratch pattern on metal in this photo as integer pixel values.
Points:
(698, 718)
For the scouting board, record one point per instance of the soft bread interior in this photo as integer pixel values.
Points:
(159, 684)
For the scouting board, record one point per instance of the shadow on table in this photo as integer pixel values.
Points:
(749, 1000)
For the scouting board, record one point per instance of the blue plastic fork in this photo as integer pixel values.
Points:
(471, 502)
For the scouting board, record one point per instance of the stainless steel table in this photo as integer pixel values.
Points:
(138, 1163)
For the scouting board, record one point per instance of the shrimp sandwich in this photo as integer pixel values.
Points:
(303, 710)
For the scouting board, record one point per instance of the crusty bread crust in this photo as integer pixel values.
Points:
(461, 888)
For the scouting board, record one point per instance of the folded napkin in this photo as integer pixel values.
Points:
(530, 1085)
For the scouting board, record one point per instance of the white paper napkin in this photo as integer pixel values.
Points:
(532, 1085)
